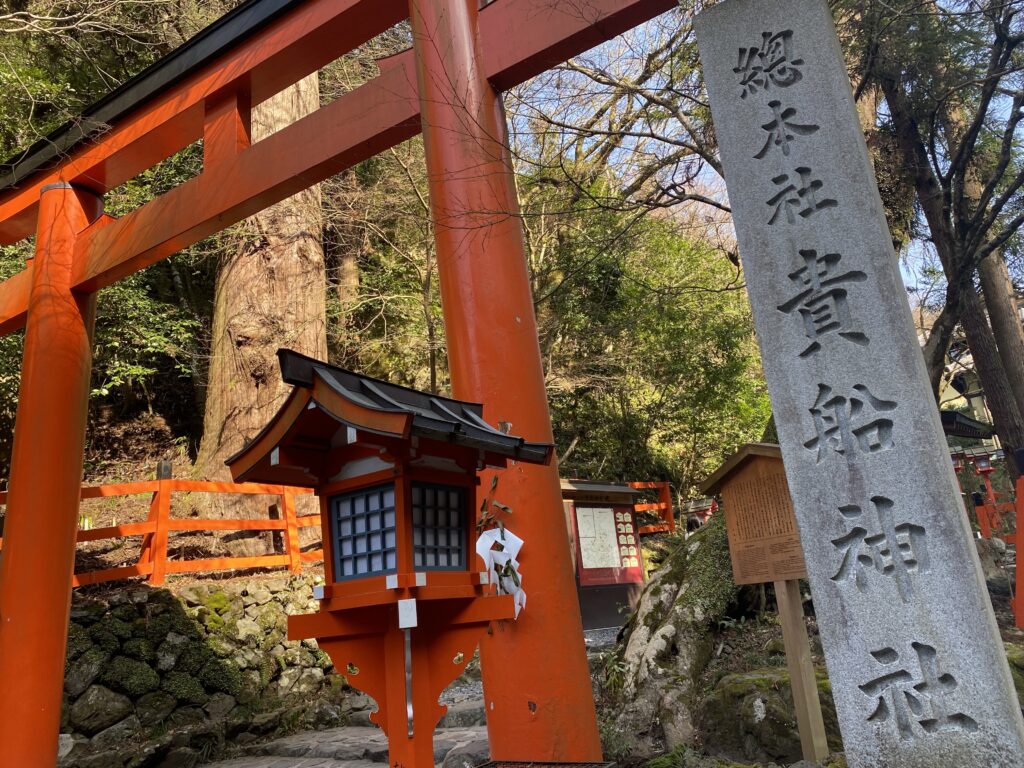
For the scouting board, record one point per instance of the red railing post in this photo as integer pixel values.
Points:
(164, 471)
(146, 551)
(158, 552)
(291, 532)
(984, 515)
(665, 497)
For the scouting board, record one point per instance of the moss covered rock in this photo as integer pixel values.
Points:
(218, 602)
(78, 641)
(1015, 655)
(130, 676)
(192, 657)
(153, 708)
(220, 675)
(157, 628)
(185, 688)
(99, 708)
(102, 637)
(650, 680)
(750, 716)
(84, 671)
(139, 648)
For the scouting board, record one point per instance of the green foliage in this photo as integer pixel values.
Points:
(137, 338)
(616, 745)
(613, 672)
(652, 362)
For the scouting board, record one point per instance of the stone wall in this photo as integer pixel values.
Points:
(157, 676)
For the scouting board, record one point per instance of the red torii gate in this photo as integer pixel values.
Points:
(535, 673)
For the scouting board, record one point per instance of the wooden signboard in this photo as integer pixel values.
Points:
(763, 539)
(607, 545)
(764, 545)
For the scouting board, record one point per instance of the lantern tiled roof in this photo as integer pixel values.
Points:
(326, 401)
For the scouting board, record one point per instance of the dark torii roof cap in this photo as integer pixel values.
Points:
(435, 417)
(226, 32)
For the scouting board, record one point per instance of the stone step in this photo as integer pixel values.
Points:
(351, 746)
(292, 762)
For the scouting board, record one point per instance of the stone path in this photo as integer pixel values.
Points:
(351, 747)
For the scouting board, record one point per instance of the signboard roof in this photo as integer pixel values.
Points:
(735, 462)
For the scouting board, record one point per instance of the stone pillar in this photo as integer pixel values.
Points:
(917, 667)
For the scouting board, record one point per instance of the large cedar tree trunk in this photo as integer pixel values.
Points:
(995, 381)
(1001, 303)
(270, 294)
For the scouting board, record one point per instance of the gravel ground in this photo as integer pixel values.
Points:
(462, 690)
(597, 639)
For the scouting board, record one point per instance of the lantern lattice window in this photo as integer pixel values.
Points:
(364, 532)
(439, 527)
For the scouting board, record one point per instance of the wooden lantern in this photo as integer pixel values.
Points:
(396, 470)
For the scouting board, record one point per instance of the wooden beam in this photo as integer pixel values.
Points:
(287, 50)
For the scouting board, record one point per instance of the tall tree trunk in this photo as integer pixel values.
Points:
(1009, 422)
(270, 294)
(1001, 304)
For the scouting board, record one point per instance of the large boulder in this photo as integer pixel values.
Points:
(649, 682)
(750, 716)
(992, 554)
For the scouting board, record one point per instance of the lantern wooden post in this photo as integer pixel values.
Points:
(38, 557)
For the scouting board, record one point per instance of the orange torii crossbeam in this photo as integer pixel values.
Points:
(540, 708)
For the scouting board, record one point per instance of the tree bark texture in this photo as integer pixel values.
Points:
(1009, 422)
(270, 293)
(1006, 325)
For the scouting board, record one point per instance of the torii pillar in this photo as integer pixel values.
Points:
(38, 558)
(537, 689)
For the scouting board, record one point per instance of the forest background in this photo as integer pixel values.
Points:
(649, 352)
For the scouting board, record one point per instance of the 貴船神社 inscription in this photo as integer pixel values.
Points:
(916, 663)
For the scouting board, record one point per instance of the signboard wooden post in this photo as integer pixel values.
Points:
(764, 545)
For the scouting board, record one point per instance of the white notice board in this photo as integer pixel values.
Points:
(599, 543)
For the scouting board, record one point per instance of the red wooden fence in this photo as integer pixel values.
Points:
(663, 506)
(153, 560)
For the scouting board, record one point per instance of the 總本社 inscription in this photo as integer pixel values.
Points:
(917, 667)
